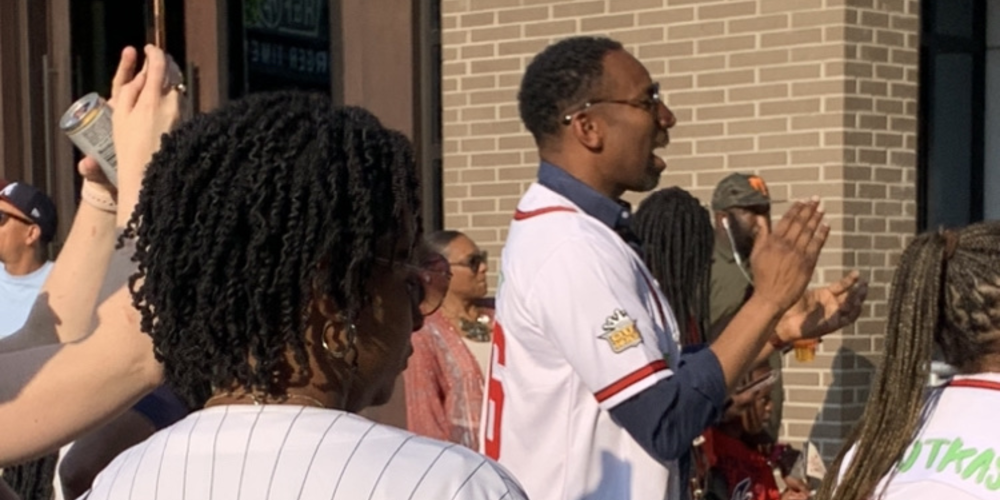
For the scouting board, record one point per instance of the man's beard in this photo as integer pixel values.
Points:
(743, 238)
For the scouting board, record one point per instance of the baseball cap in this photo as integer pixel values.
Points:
(33, 203)
(741, 190)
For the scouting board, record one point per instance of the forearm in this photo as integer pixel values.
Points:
(666, 418)
(63, 311)
(52, 394)
(745, 338)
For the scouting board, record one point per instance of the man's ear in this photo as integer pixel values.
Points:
(33, 236)
(588, 130)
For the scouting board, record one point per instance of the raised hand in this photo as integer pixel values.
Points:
(824, 310)
(144, 110)
(783, 260)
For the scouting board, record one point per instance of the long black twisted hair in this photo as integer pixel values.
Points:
(248, 211)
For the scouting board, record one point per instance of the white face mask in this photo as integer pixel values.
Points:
(732, 246)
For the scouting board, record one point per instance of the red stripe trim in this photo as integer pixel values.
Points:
(975, 384)
(623, 383)
(519, 215)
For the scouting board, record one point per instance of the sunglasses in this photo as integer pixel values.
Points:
(427, 282)
(5, 216)
(474, 261)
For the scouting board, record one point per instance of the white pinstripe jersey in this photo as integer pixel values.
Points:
(580, 327)
(292, 452)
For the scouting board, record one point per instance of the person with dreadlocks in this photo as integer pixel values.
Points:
(677, 243)
(277, 277)
(676, 236)
(916, 443)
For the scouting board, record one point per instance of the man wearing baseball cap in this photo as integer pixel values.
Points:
(28, 222)
(737, 201)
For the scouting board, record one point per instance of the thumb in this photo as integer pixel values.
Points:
(845, 283)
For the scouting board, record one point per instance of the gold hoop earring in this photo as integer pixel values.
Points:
(350, 356)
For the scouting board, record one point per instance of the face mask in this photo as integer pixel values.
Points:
(732, 246)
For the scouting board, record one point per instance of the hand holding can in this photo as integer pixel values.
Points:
(88, 122)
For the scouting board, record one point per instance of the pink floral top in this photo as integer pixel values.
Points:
(444, 384)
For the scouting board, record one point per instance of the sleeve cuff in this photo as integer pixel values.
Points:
(706, 376)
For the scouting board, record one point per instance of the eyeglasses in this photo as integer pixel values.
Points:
(474, 261)
(427, 283)
(648, 103)
(5, 216)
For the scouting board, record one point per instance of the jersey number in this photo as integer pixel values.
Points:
(494, 409)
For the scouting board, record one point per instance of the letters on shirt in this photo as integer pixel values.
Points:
(953, 456)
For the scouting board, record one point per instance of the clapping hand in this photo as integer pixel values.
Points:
(783, 260)
(824, 310)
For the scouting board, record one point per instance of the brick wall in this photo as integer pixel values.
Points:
(817, 96)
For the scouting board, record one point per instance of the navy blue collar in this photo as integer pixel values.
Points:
(615, 214)
(612, 213)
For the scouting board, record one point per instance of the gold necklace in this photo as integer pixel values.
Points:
(477, 329)
(257, 400)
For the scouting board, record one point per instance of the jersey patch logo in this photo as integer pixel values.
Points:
(620, 331)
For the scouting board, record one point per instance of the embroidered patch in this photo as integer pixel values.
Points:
(620, 331)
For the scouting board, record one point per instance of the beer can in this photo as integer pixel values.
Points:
(88, 124)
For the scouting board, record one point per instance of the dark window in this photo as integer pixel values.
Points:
(952, 104)
(429, 109)
(278, 45)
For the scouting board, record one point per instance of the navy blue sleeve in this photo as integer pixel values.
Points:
(665, 418)
(161, 407)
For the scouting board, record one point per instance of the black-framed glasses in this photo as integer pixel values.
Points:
(473, 261)
(648, 103)
(427, 283)
(5, 216)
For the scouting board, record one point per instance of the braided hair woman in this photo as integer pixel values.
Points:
(277, 276)
(917, 444)
(676, 232)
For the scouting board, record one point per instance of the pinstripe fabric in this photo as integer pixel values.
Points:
(291, 452)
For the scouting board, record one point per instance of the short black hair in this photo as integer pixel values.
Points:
(563, 74)
(244, 213)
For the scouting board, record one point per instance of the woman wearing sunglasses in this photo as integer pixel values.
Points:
(444, 380)
(279, 280)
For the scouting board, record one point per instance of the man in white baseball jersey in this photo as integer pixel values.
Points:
(588, 395)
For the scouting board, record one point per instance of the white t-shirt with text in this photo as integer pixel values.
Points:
(956, 455)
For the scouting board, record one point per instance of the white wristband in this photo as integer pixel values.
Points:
(98, 198)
